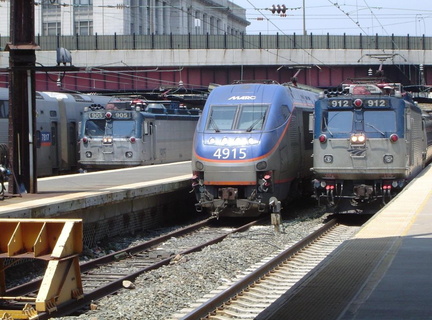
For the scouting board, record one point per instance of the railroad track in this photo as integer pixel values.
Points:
(255, 290)
(108, 274)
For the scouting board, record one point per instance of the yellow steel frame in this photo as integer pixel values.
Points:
(58, 241)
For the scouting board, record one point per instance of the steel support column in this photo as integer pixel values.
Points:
(22, 59)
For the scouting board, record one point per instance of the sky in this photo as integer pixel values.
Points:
(368, 17)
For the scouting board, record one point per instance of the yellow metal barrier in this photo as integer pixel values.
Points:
(58, 241)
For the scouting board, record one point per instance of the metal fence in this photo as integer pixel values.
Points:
(226, 41)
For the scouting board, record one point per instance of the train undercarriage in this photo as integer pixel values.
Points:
(359, 193)
(245, 201)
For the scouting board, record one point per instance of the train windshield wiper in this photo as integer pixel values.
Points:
(372, 126)
(257, 121)
(214, 125)
(327, 127)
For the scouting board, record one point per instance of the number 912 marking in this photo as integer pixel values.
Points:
(376, 103)
(227, 153)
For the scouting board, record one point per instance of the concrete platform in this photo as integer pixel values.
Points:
(110, 202)
(384, 272)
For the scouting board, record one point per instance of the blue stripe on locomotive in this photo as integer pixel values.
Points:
(244, 94)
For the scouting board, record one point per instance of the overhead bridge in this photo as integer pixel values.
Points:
(57, 241)
(160, 62)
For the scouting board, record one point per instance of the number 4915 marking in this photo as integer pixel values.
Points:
(227, 153)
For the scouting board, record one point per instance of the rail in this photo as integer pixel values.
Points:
(207, 308)
(228, 41)
(108, 285)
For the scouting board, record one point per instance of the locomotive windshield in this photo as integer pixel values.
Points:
(239, 117)
(118, 128)
(368, 121)
(123, 128)
(95, 127)
(252, 117)
(379, 121)
(337, 121)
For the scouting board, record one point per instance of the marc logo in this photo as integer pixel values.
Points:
(357, 152)
(242, 98)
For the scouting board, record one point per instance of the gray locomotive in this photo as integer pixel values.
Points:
(132, 132)
(369, 142)
(56, 133)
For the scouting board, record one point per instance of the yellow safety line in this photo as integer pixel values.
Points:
(416, 214)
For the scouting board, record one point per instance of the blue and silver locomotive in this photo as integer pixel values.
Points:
(133, 132)
(369, 142)
(252, 147)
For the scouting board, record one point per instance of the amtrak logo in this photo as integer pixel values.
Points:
(242, 98)
(357, 152)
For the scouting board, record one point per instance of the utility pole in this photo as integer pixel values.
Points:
(22, 95)
(304, 18)
(22, 59)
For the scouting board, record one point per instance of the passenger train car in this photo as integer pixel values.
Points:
(252, 148)
(56, 132)
(369, 142)
(136, 132)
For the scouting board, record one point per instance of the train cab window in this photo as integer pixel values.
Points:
(252, 117)
(222, 118)
(123, 128)
(379, 121)
(38, 138)
(4, 109)
(94, 128)
(337, 121)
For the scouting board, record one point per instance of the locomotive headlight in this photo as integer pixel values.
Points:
(261, 165)
(388, 158)
(328, 158)
(107, 140)
(199, 165)
(88, 154)
(211, 140)
(132, 139)
(252, 141)
(129, 154)
(238, 141)
(395, 184)
(323, 184)
(224, 141)
(358, 138)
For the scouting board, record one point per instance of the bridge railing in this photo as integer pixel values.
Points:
(227, 41)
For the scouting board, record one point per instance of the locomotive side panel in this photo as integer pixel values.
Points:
(173, 139)
(48, 145)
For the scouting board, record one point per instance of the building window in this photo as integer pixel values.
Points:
(51, 28)
(83, 2)
(84, 28)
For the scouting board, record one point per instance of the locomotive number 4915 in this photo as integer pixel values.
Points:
(230, 153)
